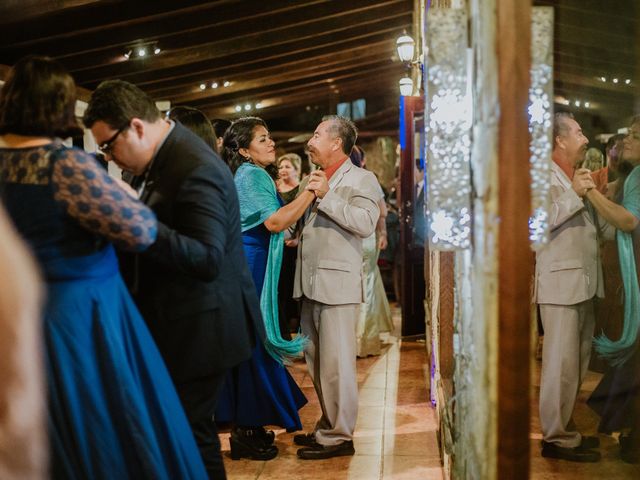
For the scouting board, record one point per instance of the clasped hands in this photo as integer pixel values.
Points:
(582, 181)
(318, 183)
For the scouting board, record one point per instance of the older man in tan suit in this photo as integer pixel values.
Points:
(568, 277)
(329, 280)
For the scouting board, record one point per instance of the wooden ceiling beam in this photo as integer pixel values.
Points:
(130, 22)
(359, 86)
(12, 11)
(329, 82)
(228, 55)
(274, 78)
(313, 58)
(268, 55)
(245, 36)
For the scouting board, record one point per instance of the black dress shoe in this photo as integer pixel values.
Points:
(249, 443)
(321, 452)
(305, 439)
(575, 454)
(589, 442)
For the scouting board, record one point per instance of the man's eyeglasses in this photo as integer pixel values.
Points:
(107, 147)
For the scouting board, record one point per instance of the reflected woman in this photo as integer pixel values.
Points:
(617, 397)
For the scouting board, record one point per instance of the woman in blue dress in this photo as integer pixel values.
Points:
(617, 397)
(113, 411)
(261, 391)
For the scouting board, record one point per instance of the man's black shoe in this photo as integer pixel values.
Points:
(589, 442)
(320, 452)
(575, 454)
(305, 439)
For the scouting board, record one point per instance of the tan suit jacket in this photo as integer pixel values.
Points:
(568, 269)
(329, 264)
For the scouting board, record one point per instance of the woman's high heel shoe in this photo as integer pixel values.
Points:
(247, 443)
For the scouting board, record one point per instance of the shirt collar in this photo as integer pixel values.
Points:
(329, 171)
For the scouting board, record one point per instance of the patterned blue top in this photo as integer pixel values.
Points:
(64, 202)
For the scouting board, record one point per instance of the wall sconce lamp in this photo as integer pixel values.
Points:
(406, 86)
(406, 47)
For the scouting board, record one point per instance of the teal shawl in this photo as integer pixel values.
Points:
(619, 351)
(258, 201)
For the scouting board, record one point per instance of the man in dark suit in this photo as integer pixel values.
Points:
(192, 286)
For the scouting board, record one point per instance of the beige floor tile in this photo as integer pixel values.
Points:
(411, 468)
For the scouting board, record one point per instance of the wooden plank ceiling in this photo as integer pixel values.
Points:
(596, 42)
(299, 58)
(296, 58)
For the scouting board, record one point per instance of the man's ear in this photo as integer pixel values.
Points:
(138, 126)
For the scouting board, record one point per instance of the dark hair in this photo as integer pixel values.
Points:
(116, 103)
(560, 124)
(624, 168)
(39, 99)
(356, 156)
(220, 125)
(239, 135)
(613, 140)
(196, 121)
(344, 129)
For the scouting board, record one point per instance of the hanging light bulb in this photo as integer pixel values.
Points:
(406, 47)
(406, 86)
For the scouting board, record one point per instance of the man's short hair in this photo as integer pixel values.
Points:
(560, 127)
(116, 103)
(344, 129)
(560, 123)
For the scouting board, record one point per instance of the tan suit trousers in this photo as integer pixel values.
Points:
(568, 334)
(331, 360)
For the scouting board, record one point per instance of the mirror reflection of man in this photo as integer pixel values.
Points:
(568, 277)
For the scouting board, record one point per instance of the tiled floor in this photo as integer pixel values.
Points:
(610, 467)
(395, 434)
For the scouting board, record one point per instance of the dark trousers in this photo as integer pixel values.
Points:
(199, 398)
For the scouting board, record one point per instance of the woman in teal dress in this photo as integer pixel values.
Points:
(617, 398)
(113, 411)
(261, 391)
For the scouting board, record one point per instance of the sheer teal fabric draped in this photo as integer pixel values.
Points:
(258, 201)
(619, 351)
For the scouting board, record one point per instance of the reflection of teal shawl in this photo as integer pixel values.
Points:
(619, 351)
(258, 201)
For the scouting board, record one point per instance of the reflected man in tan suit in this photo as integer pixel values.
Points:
(568, 277)
(329, 280)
